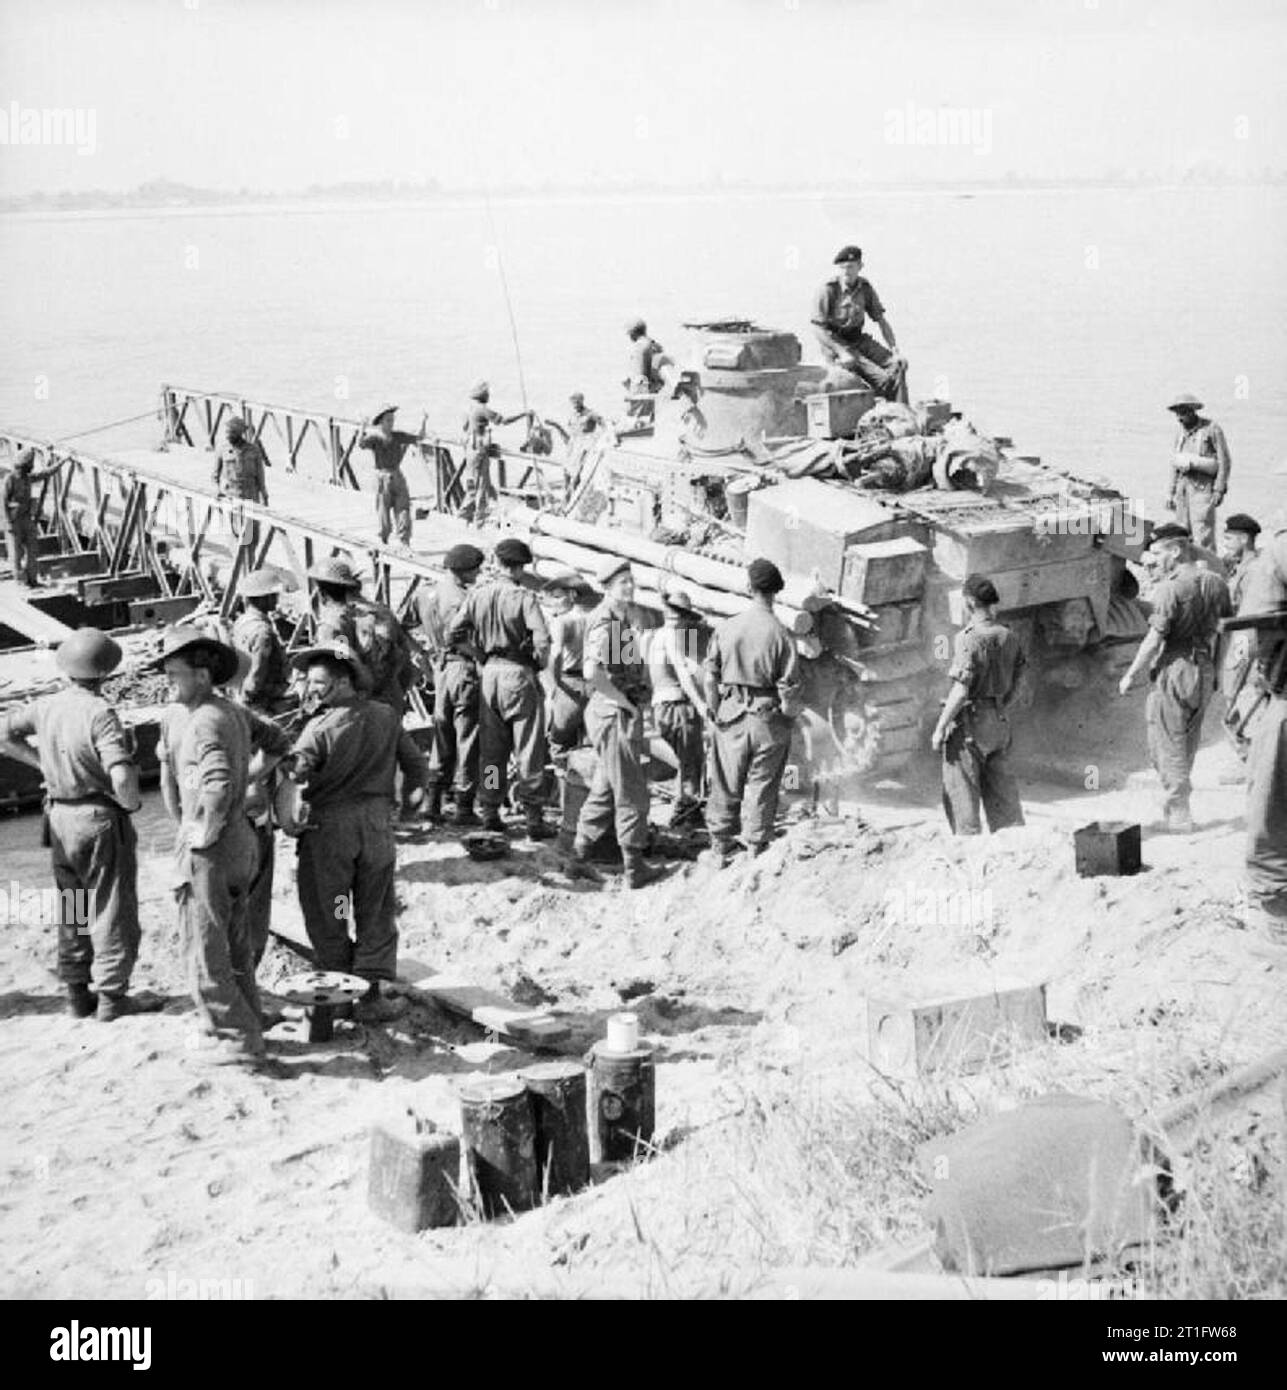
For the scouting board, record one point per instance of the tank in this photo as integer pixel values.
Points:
(875, 513)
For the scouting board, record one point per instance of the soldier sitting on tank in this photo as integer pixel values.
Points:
(840, 311)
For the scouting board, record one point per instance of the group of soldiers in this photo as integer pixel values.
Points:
(513, 690)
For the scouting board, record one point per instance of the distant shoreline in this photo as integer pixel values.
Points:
(301, 204)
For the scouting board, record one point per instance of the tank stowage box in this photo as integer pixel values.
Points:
(878, 572)
(835, 415)
(805, 525)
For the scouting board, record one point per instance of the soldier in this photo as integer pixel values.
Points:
(267, 678)
(1267, 757)
(644, 377)
(565, 692)
(973, 731)
(239, 472)
(210, 750)
(479, 452)
(583, 424)
(840, 311)
(337, 587)
(1188, 604)
(387, 446)
(753, 686)
(385, 651)
(1238, 550)
(1199, 471)
(20, 515)
(455, 687)
(345, 761)
(617, 678)
(679, 706)
(91, 790)
(504, 623)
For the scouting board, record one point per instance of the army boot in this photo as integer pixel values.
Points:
(114, 1006)
(492, 819)
(638, 873)
(81, 1001)
(465, 816)
(433, 805)
(719, 854)
(536, 826)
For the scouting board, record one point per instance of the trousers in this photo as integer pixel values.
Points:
(1267, 808)
(748, 758)
(976, 772)
(213, 891)
(511, 721)
(870, 359)
(454, 753)
(259, 899)
(679, 724)
(393, 505)
(22, 533)
(618, 795)
(480, 492)
(346, 864)
(95, 861)
(567, 713)
(1195, 508)
(1176, 703)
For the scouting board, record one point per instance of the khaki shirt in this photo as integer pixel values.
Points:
(1187, 608)
(436, 608)
(505, 620)
(239, 471)
(753, 659)
(387, 452)
(205, 752)
(79, 739)
(350, 751)
(567, 642)
(1203, 455)
(988, 659)
(843, 312)
(644, 374)
(613, 645)
(268, 677)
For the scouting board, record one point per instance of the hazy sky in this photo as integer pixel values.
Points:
(279, 94)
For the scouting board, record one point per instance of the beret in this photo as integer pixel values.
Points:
(1170, 531)
(463, 557)
(1240, 521)
(765, 577)
(847, 253)
(512, 551)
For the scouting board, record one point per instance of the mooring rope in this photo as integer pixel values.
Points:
(98, 429)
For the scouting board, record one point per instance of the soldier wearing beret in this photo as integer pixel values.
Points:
(617, 679)
(1180, 656)
(1238, 550)
(91, 789)
(392, 496)
(455, 686)
(1199, 470)
(973, 731)
(503, 622)
(20, 515)
(840, 311)
(753, 689)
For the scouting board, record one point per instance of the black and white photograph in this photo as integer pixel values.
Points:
(643, 656)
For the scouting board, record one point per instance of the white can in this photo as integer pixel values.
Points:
(623, 1032)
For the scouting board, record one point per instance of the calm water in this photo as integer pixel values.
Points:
(1063, 319)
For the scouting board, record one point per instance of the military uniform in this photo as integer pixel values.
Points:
(385, 650)
(345, 761)
(644, 373)
(567, 680)
(1267, 757)
(841, 311)
(619, 791)
(240, 471)
(673, 711)
(455, 692)
(506, 625)
(268, 679)
(392, 496)
(1187, 608)
(1199, 478)
(988, 661)
(479, 452)
(205, 755)
(92, 839)
(20, 521)
(753, 661)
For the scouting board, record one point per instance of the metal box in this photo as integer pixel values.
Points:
(835, 414)
(1107, 847)
(959, 1034)
(806, 525)
(877, 572)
